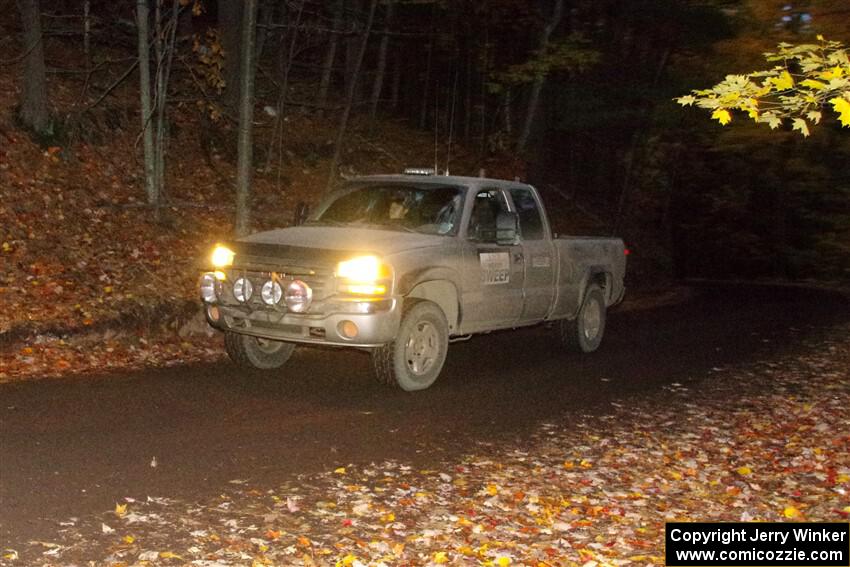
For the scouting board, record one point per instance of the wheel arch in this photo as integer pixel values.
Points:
(437, 287)
(600, 276)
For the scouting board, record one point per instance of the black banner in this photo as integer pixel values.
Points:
(755, 544)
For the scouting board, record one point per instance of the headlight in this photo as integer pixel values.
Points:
(243, 290)
(209, 287)
(364, 275)
(222, 256)
(361, 269)
(298, 296)
(271, 292)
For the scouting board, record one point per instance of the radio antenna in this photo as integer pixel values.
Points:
(436, 127)
(451, 122)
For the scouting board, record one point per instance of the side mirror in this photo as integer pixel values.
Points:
(507, 228)
(302, 211)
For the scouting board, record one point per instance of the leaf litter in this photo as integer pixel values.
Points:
(766, 441)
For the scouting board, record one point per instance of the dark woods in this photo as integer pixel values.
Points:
(575, 94)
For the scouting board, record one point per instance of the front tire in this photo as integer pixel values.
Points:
(252, 352)
(413, 361)
(584, 333)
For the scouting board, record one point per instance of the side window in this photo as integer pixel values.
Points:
(482, 221)
(530, 221)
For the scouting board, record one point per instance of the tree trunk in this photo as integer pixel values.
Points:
(352, 53)
(537, 86)
(343, 123)
(229, 26)
(330, 55)
(87, 32)
(33, 110)
(165, 53)
(244, 164)
(266, 15)
(380, 71)
(145, 97)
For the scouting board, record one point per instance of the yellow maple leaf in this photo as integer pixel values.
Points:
(842, 107)
(744, 471)
(813, 84)
(340, 470)
(347, 560)
(722, 115)
(492, 489)
(128, 539)
(503, 561)
(783, 82)
(441, 557)
(120, 510)
(834, 73)
(791, 512)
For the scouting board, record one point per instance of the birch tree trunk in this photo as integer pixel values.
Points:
(145, 99)
(537, 86)
(33, 111)
(244, 163)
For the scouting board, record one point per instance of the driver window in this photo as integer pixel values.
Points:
(482, 222)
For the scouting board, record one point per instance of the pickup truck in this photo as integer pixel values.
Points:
(402, 265)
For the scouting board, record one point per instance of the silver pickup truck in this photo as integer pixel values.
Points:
(401, 265)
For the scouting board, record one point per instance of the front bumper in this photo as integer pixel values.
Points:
(377, 322)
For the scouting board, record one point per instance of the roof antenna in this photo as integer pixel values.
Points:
(436, 126)
(451, 122)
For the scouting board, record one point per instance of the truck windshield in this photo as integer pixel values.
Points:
(427, 209)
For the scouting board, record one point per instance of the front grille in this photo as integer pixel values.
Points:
(318, 279)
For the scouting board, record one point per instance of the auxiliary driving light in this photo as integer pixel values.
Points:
(271, 293)
(299, 295)
(209, 288)
(243, 290)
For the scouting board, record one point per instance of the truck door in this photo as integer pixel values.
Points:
(539, 253)
(493, 274)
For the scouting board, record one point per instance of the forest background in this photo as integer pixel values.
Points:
(123, 141)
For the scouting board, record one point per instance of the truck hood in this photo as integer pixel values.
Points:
(327, 243)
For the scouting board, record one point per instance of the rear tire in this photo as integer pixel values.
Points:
(413, 361)
(584, 333)
(251, 352)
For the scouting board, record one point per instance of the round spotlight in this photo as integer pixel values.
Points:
(271, 292)
(299, 295)
(243, 290)
(208, 288)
